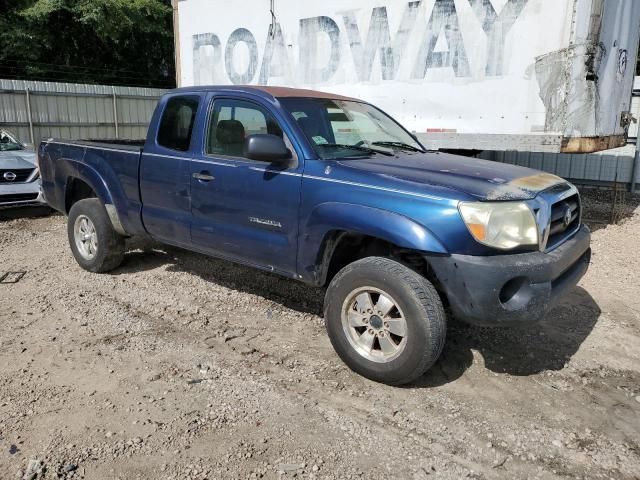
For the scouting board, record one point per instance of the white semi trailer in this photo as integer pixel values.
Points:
(534, 75)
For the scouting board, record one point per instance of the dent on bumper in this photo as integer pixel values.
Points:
(512, 289)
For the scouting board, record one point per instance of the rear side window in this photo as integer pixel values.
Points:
(177, 122)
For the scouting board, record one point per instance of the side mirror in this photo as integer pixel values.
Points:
(266, 148)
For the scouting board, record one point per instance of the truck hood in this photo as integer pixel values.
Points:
(481, 179)
(17, 159)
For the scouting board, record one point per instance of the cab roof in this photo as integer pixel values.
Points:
(267, 91)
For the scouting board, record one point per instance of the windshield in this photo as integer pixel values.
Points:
(344, 128)
(8, 142)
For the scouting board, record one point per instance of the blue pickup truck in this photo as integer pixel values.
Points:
(333, 192)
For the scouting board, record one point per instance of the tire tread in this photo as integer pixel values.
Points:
(111, 244)
(428, 298)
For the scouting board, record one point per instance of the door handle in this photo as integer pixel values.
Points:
(204, 176)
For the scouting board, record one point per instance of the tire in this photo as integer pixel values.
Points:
(404, 358)
(104, 250)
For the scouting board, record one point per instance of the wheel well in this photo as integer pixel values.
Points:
(346, 247)
(76, 190)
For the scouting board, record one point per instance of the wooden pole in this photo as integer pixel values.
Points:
(176, 41)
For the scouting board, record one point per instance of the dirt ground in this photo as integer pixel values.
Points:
(177, 366)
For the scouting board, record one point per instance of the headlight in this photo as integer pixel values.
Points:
(503, 225)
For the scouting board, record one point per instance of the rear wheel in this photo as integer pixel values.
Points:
(96, 246)
(385, 320)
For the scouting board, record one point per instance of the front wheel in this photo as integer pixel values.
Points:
(96, 246)
(385, 321)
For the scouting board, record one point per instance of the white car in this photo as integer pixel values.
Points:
(19, 177)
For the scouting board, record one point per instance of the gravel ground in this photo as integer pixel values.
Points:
(178, 366)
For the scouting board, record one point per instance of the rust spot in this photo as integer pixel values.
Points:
(592, 144)
(539, 181)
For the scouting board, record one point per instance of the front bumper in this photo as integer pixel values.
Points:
(512, 289)
(21, 195)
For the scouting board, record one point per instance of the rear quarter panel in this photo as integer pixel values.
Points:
(111, 173)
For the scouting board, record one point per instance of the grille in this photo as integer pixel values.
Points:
(22, 174)
(559, 228)
(18, 197)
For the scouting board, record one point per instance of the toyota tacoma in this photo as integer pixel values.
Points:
(331, 191)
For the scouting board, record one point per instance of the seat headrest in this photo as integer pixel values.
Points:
(230, 132)
(308, 126)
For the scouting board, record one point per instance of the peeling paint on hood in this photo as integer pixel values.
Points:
(524, 187)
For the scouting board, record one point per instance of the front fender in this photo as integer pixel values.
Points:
(383, 224)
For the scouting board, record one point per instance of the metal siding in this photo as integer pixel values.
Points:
(592, 167)
(563, 168)
(576, 166)
(610, 166)
(549, 162)
(78, 89)
(65, 110)
(536, 160)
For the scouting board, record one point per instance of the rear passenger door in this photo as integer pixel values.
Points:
(244, 209)
(165, 171)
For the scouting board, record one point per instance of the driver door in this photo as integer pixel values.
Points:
(243, 209)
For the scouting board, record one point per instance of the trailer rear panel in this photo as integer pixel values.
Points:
(532, 75)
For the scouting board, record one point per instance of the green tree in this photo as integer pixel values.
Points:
(121, 42)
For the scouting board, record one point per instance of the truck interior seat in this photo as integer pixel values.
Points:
(274, 129)
(230, 136)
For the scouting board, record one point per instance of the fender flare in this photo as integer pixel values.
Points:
(89, 176)
(72, 169)
(389, 226)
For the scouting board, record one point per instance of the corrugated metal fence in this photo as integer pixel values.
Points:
(620, 165)
(596, 168)
(37, 110)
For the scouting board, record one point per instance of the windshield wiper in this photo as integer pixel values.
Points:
(357, 147)
(400, 145)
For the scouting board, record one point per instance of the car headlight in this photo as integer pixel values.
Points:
(502, 225)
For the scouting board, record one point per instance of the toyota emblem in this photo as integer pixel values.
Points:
(10, 176)
(567, 217)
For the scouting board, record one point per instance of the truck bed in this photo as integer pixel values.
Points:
(91, 163)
